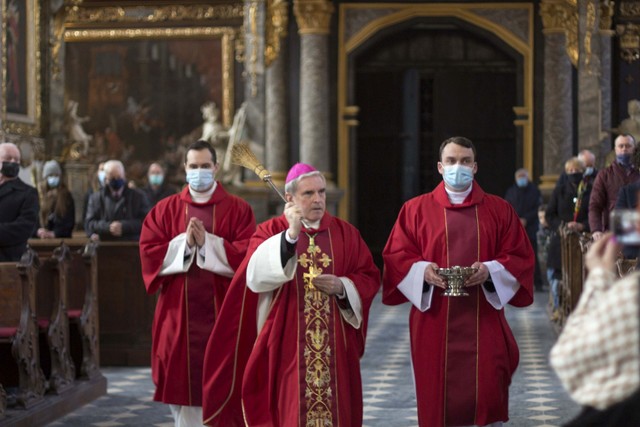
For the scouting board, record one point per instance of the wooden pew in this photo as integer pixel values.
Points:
(3, 401)
(52, 285)
(573, 245)
(20, 332)
(83, 310)
(125, 309)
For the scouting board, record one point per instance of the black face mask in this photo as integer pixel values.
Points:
(575, 178)
(10, 169)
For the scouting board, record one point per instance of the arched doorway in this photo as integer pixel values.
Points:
(413, 77)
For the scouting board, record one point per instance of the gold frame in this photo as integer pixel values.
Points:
(226, 34)
(15, 123)
(402, 12)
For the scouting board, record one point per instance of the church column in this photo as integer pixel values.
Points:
(605, 35)
(591, 135)
(558, 117)
(313, 17)
(277, 138)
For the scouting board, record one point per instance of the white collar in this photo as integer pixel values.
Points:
(202, 197)
(456, 198)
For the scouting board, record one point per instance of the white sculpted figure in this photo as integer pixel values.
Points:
(76, 132)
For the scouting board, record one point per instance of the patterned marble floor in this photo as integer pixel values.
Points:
(536, 397)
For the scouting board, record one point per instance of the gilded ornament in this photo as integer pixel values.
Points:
(629, 35)
(313, 16)
(93, 15)
(275, 28)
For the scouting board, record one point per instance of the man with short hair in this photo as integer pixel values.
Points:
(191, 245)
(291, 354)
(609, 182)
(157, 188)
(19, 206)
(115, 212)
(462, 349)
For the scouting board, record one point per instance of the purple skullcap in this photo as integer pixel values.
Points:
(297, 170)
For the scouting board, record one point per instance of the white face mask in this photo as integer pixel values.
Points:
(457, 176)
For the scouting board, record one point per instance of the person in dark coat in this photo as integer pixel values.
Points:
(525, 198)
(57, 214)
(568, 205)
(19, 202)
(116, 211)
(157, 188)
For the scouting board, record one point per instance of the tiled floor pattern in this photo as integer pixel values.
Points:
(537, 399)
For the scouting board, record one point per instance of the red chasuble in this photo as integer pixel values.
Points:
(462, 348)
(304, 368)
(189, 302)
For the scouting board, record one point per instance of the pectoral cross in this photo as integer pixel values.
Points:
(312, 274)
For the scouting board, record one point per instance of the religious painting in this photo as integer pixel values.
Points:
(142, 95)
(21, 82)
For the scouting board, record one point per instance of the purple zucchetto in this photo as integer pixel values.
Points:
(297, 170)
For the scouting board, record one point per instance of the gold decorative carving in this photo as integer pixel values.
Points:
(588, 35)
(93, 15)
(630, 9)
(606, 14)
(253, 58)
(313, 16)
(629, 41)
(562, 15)
(275, 28)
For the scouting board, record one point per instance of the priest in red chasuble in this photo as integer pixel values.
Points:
(294, 321)
(191, 245)
(462, 349)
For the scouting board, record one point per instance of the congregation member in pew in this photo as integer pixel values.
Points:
(462, 349)
(608, 183)
(57, 210)
(116, 211)
(568, 206)
(191, 245)
(525, 198)
(597, 355)
(18, 206)
(96, 184)
(588, 160)
(157, 188)
(287, 349)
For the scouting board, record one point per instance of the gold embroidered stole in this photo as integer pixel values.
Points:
(317, 368)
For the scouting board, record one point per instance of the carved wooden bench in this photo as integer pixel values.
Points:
(20, 372)
(52, 290)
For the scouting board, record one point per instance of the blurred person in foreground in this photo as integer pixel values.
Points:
(597, 355)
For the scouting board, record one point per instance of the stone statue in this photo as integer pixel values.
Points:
(631, 125)
(76, 133)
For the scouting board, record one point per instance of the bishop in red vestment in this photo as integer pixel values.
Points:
(463, 351)
(190, 247)
(294, 321)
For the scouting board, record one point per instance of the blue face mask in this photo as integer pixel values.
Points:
(588, 171)
(623, 159)
(200, 179)
(156, 179)
(522, 181)
(53, 181)
(101, 176)
(458, 177)
(116, 184)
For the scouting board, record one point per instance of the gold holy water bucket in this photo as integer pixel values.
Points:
(455, 277)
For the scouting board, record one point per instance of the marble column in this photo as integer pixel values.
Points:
(558, 115)
(605, 36)
(254, 71)
(589, 108)
(276, 50)
(313, 17)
